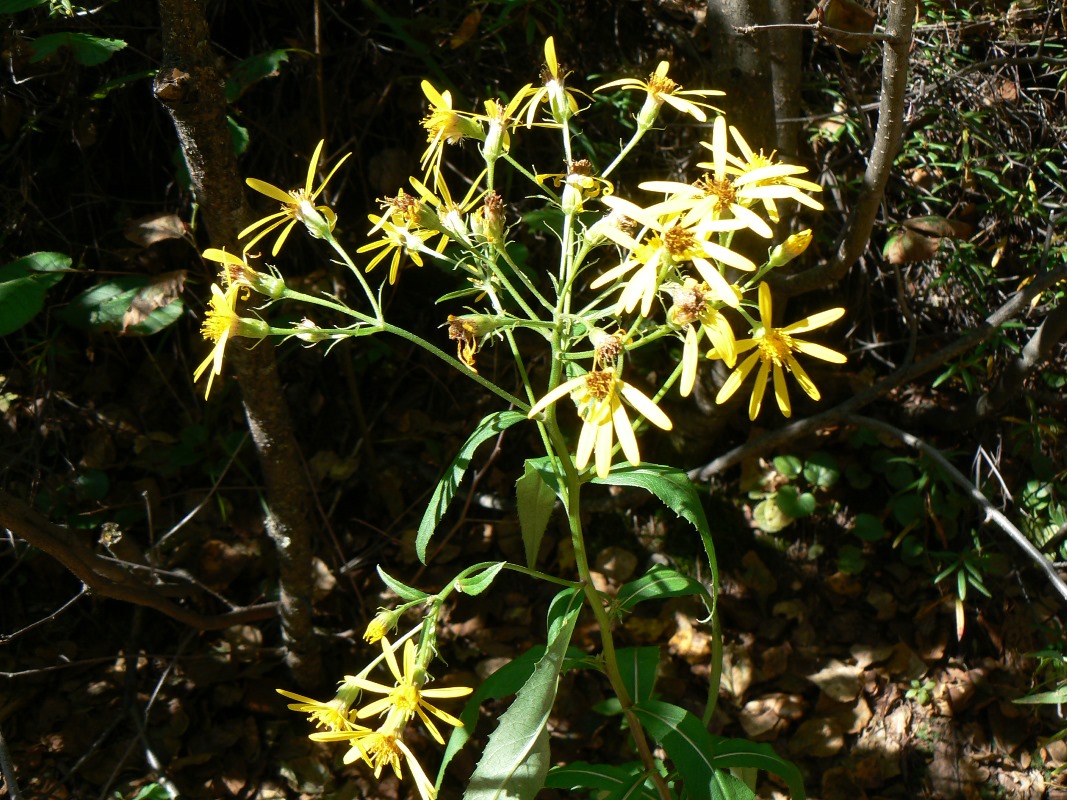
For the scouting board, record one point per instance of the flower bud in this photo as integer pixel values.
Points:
(790, 249)
(251, 328)
(383, 623)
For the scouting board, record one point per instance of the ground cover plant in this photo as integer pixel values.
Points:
(489, 303)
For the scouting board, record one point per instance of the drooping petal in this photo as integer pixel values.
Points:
(805, 381)
(689, 362)
(604, 439)
(758, 388)
(736, 378)
(625, 432)
(781, 392)
(646, 407)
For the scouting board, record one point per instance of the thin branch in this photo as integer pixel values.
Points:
(1018, 303)
(108, 578)
(857, 232)
(992, 514)
(7, 770)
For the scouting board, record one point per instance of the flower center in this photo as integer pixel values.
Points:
(217, 323)
(660, 84)
(599, 384)
(405, 697)
(723, 191)
(680, 242)
(775, 346)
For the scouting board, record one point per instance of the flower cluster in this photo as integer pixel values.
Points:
(383, 746)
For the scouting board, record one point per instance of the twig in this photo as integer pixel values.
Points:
(818, 29)
(992, 514)
(7, 770)
(857, 232)
(106, 577)
(1015, 305)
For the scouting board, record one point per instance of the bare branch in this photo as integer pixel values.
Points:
(992, 514)
(857, 232)
(107, 577)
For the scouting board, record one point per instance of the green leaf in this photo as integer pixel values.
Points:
(868, 527)
(794, 504)
(659, 582)
(1056, 696)
(822, 470)
(769, 517)
(238, 135)
(674, 489)
(788, 466)
(480, 581)
(15, 6)
(515, 761)
(686, 741)
(88, 50)
(490, 426)
(254, 69)
(402, 590)
(638, 667)
(608, 782)
(744, 754)
(23, 284)
(123, 80)
(536, 499)
(137, 305)
(729, 787)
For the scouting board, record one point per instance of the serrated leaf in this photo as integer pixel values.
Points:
(23, 284)
(729, 787)
(536, 500)
(674, 489)
(515, 761)
(480, 581)
(659, 582)
(401, 590)
(87, 50)
(490, 426)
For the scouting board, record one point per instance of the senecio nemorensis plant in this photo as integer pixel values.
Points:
(670, 272)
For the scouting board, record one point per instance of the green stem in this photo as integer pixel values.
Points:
(359, 276)
(638, 135)
(441, 354)
(596, 603)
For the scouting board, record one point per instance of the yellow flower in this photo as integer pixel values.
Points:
(561, 101)
(660, 89)
(599, 395)
(579, 185)
(298, 205)
(381, 748)
(695, 307)
(673, 244)
(407, 697)
(448, 216)
(407, 239)
(767, 180)
(444, 125)
(774, 348)
(219, 325)
(332, 715)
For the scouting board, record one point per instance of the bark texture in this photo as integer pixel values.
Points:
(190, 86)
